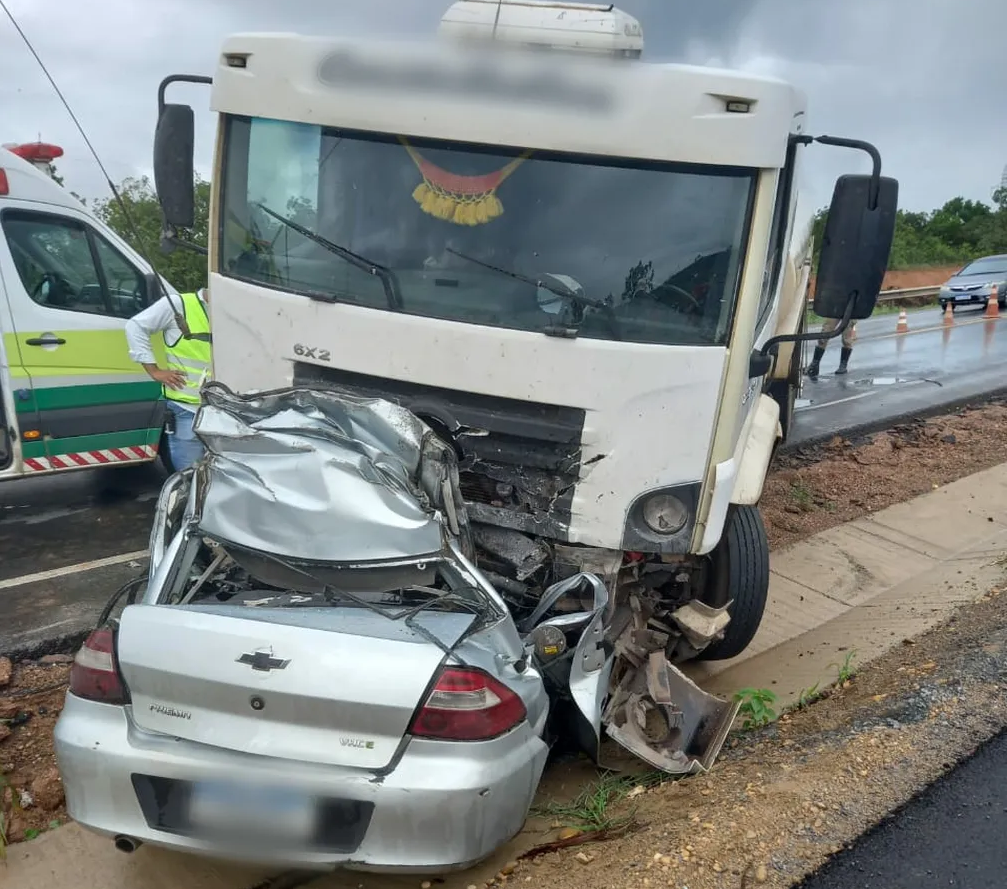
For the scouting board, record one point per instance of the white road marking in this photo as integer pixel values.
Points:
(53, 573)
(882, 381)
(815, 407)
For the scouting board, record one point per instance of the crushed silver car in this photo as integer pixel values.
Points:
(316, 673)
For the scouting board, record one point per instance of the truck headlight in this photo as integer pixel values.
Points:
(665, 514)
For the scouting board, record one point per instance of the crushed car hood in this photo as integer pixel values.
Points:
(316, 475)
(325, 476)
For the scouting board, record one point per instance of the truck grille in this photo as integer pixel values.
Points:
(519, 460)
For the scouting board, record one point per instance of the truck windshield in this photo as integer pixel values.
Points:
(623, 249)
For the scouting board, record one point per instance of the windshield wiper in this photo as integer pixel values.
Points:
(387, 276)
(561, 290)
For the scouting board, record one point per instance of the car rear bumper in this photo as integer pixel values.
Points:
(444, 806)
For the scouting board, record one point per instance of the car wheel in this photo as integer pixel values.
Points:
(740, 575)
(944, 306)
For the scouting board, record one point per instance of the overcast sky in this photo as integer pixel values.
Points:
(926, 80)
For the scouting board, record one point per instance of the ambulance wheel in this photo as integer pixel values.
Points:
(164, 453)
(740, 575)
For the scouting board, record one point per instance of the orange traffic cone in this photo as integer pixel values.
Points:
(949, 314)
(993, 304)
(903, 325)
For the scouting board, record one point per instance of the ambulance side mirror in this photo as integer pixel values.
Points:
(174, 177)
(152, 288)
(856, 246)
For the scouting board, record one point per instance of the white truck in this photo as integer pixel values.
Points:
(581, 268)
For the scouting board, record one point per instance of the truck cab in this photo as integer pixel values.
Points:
(70, 397)
(581, 268)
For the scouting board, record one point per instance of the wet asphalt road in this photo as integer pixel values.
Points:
(51, 524)
(952, 834)
(49, 527)
(893, 375)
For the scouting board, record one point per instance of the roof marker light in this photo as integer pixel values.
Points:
(37, 152)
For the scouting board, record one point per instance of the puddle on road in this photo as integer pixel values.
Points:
(882, 381)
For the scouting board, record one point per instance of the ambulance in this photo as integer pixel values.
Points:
(70, 397)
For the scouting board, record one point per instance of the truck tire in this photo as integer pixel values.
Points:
(740, 575)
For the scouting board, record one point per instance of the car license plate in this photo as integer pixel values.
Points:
(963, 297)
(220, 807)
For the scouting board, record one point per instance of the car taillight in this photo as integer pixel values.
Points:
(94, 675)
(467, 704)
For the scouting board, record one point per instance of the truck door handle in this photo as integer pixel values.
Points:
(47, 339)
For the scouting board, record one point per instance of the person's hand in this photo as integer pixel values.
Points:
(173, 379)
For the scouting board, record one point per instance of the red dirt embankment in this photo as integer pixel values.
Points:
(933, 276)
(904, 279)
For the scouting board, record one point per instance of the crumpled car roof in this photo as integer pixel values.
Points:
(320, 476)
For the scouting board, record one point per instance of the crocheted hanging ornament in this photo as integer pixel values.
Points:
(462, 200)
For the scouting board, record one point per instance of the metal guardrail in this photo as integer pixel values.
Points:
(894, 295)
(905, 293)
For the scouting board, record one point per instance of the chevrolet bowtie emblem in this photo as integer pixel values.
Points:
(262, 661)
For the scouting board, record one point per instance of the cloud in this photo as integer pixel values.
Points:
(924, 81)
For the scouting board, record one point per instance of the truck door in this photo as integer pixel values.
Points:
(70, 292)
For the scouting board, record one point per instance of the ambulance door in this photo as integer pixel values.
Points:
(70, 292)
(16, 403)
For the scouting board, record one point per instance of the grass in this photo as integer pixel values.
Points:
(803, 498)
(756, 706)
(845, 669)
(33, 833)
(808, 696)
(592, 811)
(845, 673)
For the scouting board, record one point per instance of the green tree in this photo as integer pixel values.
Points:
(186, 270)
(956, 233)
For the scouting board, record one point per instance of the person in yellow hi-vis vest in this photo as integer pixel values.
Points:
(189, 360)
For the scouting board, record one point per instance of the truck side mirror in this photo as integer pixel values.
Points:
(174, 178)
(856, 246)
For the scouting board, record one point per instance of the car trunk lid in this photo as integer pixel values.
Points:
(334, 686)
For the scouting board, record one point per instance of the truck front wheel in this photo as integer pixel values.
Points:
(739, 575)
